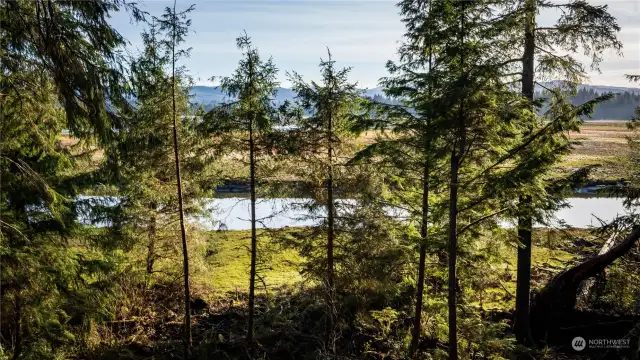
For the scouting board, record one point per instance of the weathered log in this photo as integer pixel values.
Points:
(587, 285)
(560, 294)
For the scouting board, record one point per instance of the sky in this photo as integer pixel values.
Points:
(362, 34)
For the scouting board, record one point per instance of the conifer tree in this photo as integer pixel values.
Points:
(581, 25)
(475, 127)
(146, 154)
(460, 110)
(85, 65)
(411, 120)
(60, 67)
(421, 63)
(320, 142)
(457, 151)
(176, 25)
(252, 115)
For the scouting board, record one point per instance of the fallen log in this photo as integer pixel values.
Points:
(587, 285)
(559, 296)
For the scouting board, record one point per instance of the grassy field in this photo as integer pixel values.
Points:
(602, 143)
(226, 265)
(227, 258)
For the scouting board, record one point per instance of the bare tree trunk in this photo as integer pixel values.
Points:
(525, 223)
(587, 285)
(17, 347)
(183, 233)
(151, 244)
(453, 253)
(452, 256)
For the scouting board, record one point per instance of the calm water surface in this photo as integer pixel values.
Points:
(234, 213)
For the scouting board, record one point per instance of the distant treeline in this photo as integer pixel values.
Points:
(621, 107)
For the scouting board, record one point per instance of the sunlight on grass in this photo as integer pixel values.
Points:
(228, 259)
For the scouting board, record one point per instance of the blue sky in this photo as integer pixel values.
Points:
(363, 34)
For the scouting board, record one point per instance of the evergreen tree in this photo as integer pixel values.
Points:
(321, 143)
(456, 110)
(75, 46)
(478, 130)
(251, 117)
(176, 26)
(147, 178)
(414, 84)
(60, 68)
(581, 25)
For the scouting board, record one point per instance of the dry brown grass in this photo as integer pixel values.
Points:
(603, 143)
(66, 140)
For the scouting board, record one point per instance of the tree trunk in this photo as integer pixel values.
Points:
(17, 348)
(523, 278)
(183, 233)
(330, 234)
(254, 238)
(587, 285)
(559, 295)
(456, 155)
(452, 256)
(523, 284)
(151, 244)
(417, 323)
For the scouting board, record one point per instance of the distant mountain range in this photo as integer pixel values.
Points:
(207, 94)
(599, 89)
(210, 96)
(622, 107)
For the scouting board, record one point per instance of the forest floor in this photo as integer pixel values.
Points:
(289, 308)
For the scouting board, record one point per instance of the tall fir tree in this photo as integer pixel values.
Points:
(581, 25)
(468, 113)
(60, 67)
(252, 115)
(321, 141)
(146, 154)
(176, 25)
(412, 132)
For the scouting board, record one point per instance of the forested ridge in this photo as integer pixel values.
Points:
(621, 107)
(425, 215)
